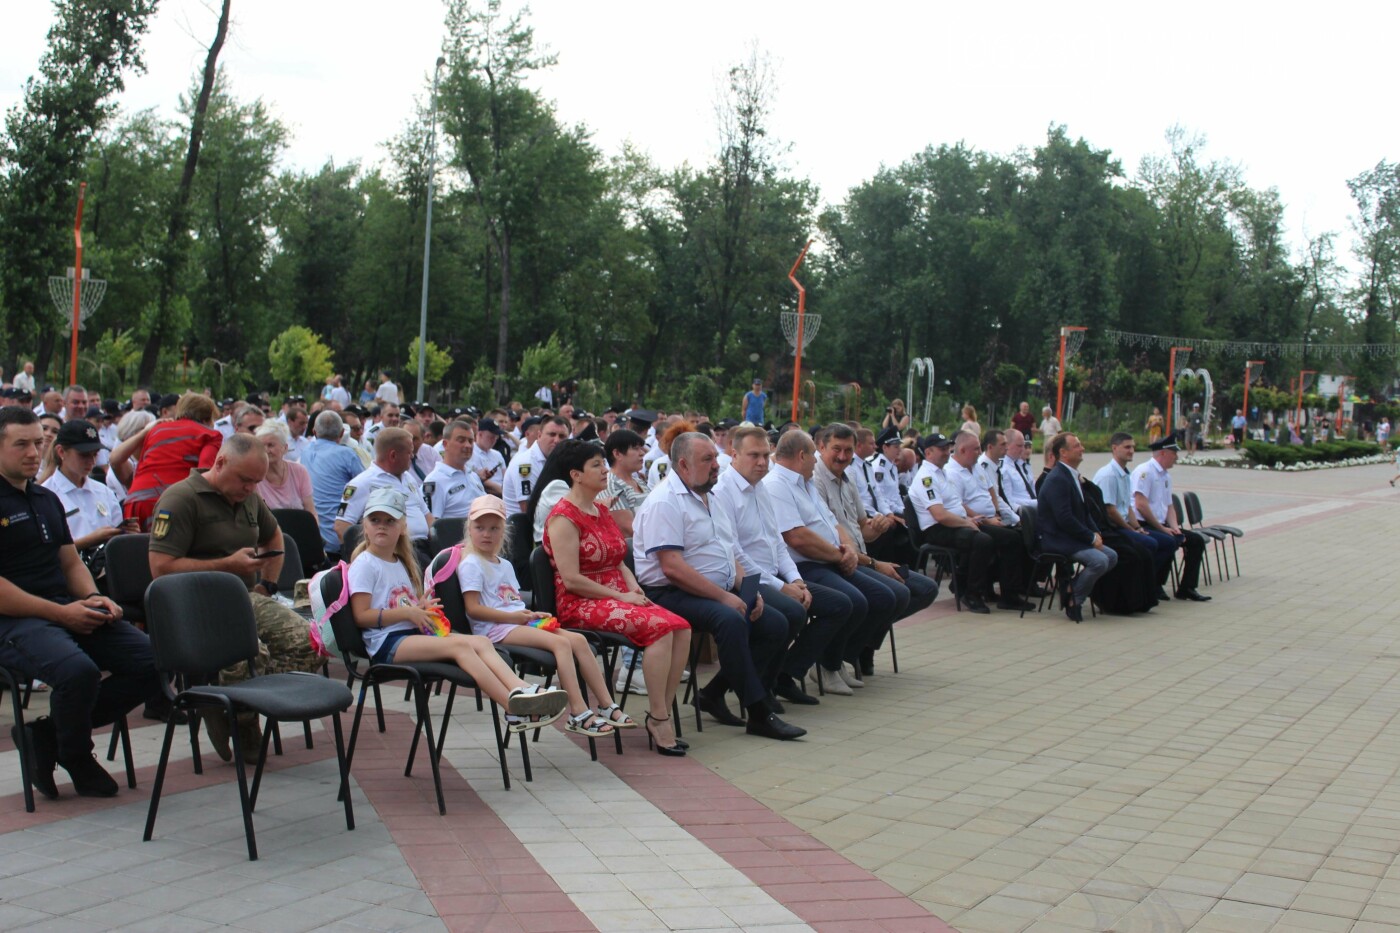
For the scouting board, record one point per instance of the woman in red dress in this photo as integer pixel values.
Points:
(594, 589)
(169, 450)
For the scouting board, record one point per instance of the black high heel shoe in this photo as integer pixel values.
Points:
(674, 751)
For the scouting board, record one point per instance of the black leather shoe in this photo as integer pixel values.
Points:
(775, 704)
(1017, 605)
(771, 727)
(790, 690)
(41, 740)
(1036, 590)
(90, 779)
(1075, 613)
(1162, 595)
(1192, 595)
(867, 662)
(717, 708)
(973, 604)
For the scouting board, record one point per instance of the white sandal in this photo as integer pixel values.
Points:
(590, 724)
(610, 713)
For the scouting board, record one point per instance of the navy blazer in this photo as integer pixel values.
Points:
(1062, 518)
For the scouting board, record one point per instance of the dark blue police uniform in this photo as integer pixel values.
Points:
(32, 531)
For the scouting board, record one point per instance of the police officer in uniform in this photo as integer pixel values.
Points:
(884, 474)
(1153, 507)
(393, 455)
(56, 627)
(215, 521)
(525, 468)
(452, 486)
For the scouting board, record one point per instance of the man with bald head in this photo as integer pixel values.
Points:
(393, 458)
(215, 520)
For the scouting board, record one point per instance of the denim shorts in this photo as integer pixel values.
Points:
(385, 654)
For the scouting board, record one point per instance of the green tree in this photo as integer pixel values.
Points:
(298, 359)
(92, 46)
(436, 363)
(1377, 226)
(545, 364)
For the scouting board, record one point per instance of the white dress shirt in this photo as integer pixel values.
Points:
(860, 473)
(449, 493)
(1016, 483)
(975, 498)
(520, 478)
(888, 499)
(1155, 483)
(750, 513)
(87, 507)
(356, 497)
(931, 486)
(675, 519)
(985, 475)
(797, 504)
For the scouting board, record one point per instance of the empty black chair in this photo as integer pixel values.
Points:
(300, 525)
(1196, 517)
(1199, 533)
(292, 566)
(520, 541)
(445, 533)
(353, 534)
(944, 558)
(201, 623)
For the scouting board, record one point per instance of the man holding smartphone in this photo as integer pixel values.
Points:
(55, 626)
(215, 520)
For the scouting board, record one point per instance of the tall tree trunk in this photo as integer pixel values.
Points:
(171, 253)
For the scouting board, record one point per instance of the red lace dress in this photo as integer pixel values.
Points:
(601, 549)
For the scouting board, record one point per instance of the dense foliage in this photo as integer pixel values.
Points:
(1327, 452)
(550, 259)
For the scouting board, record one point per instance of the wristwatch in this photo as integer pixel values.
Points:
(270, 586)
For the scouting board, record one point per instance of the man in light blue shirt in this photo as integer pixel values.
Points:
(332, 467)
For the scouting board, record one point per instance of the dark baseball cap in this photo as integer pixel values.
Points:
(934, 440)
(79, 436)
(530, 422)
(488, 424)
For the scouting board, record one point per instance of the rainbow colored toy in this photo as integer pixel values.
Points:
(548, 623)
(440, 627)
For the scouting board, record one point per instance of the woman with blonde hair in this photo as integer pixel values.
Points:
(895, 416)
(970, 424)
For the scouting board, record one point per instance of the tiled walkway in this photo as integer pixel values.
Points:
(1225, 766)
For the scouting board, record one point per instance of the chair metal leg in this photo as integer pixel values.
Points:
(160, 779)
(276, 736)
(242, 773)
(344, 772)
(26, 753)
(258, 768)
(1236, 552)
(692, 689)
(379, 706)
(126, 752)
(894, 652)
(425, 726)
(112, 743)
(355, 727)
(195, 756)
(500, 742)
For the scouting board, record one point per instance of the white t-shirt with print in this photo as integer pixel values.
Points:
(389, 587)
(496, 584)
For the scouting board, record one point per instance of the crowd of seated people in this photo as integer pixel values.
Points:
(789, 547)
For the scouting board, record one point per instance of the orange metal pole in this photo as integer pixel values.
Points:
(77, 285)
(1298, 416)
(1171, 390)
(1060, 390)
(801, 311)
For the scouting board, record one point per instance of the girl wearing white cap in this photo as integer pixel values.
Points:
(386, 597)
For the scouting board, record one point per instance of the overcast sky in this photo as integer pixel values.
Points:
(1298, 96)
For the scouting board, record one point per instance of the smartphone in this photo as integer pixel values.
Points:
(260, 555)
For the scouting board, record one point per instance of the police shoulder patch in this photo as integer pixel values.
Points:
(524, 469)
(349, 493)
(661, 469)
(928, 482)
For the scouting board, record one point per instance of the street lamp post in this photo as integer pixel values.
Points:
(1298, 416)
(428, 233)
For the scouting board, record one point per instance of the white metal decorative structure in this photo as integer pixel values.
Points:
(90, 296)
(1207, 404)
(921, 365)
(811, 323)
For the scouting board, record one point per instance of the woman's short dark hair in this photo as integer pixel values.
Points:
(619, 442)
(569, 455)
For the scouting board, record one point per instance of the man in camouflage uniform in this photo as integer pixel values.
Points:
(215, 520)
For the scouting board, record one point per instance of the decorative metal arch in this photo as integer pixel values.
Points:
(921, 365)
(1208, 405)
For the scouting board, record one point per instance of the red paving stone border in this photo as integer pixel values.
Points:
(821, 886)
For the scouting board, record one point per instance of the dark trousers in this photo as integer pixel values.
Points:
(975, 553)
(80, 698)
(874, 598)
(1011, 559)
(745, 647)
(830, 621)
(922, 591)
(1166, 551)
(791, 610)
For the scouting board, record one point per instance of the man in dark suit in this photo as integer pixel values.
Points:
(1065, 525)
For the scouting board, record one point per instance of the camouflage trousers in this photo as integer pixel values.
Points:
(284, 642)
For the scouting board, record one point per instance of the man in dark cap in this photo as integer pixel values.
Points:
(486, 460)
(1153, 507)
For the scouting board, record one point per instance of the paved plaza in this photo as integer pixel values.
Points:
(1227, 766)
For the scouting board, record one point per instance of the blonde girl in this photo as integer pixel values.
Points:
(492, 595)
(386, 598)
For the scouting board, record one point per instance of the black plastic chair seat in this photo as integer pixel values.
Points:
(284, 697)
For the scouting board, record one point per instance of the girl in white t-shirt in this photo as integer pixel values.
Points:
(492, 595)
(386, 598)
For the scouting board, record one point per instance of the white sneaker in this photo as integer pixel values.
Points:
(851, 677)
(639, 684)
(828, 681)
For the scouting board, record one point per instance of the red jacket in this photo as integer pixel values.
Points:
(171, 449)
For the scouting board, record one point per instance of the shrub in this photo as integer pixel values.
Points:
(1288, 455)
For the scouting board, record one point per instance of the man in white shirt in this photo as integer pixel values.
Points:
(826, 554)
(744, 499)
(1153, 507)
(685, 552)
(980, 507)
(297, 423)
(987, 472)
(1014, 472)
(486, 460)
(393, 452)
(387, 391)
(943, 520)
(453, 485)
(24, 379)
(525, 468)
